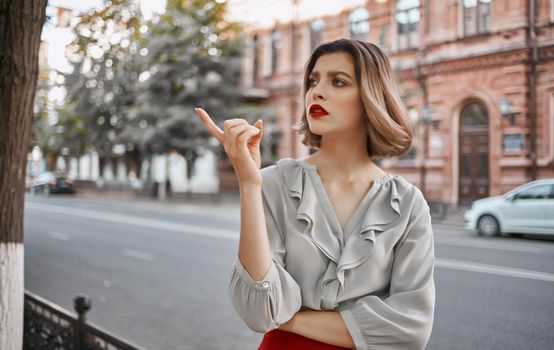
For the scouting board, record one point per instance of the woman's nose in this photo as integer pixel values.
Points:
(316, 94)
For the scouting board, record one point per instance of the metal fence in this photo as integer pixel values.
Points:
(48, 326)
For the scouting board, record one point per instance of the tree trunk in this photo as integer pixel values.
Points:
(20, 28)
(101, 164)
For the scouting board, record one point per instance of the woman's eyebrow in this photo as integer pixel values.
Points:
(332, 73)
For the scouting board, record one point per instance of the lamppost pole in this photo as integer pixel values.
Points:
(294, 89)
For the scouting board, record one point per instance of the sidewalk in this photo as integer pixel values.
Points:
(225, 204)
(227, 198)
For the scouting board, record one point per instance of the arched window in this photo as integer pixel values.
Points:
(474, 116)
(407, 19)
(275, 45)
(477, 16)
(358, 22)
(316, 27)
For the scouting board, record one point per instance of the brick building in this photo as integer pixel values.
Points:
(477, 77)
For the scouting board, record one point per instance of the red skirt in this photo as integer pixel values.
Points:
(281, 340)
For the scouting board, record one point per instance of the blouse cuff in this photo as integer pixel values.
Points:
(269, 278)
(353, 329)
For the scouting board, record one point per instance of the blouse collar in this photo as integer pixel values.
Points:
(383, 212)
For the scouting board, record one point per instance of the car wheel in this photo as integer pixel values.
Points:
(488, 226)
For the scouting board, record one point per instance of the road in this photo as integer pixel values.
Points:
(157, 274)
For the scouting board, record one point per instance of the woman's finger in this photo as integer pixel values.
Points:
(260, 125)
(245, 136)
(213, 129)
(230, 124)
(237, 129)
(232, 134)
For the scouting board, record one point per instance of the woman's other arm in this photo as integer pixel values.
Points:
(324, 326)
(254, 252)
(262, 292)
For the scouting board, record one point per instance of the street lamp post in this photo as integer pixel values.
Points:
(426, 118)
(294, 89)
(505, 107)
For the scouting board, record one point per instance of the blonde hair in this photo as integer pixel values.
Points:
(388, 127)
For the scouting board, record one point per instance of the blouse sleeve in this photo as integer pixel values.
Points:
(266, 304)
(404, 319)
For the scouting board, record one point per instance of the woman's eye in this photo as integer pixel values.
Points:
(311, 82)
(339, 82)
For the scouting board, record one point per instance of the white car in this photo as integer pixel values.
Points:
(527, 209)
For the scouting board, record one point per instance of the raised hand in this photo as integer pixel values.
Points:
(241, 142)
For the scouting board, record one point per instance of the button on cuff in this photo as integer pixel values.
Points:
(264, 283)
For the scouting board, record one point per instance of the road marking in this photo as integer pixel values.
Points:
(493, 269)
(137, 221)
(60, 236)
(476, 243)
(138, 254)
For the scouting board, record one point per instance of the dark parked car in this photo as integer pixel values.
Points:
(49, 182)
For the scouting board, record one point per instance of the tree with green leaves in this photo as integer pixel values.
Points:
(101, 86)
(192, 58)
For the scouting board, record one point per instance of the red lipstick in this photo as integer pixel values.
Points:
(316, 111)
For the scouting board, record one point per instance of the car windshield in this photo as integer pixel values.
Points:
(535, 192)
(523, 189)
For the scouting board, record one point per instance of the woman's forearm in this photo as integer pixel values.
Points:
(254, 251)
(324, 326)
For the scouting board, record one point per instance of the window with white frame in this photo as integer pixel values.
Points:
(316, 27)
(358, 23)
(477, 16)
(407, 19)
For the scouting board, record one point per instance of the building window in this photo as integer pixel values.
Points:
(255, 58)
(383, 36)
(275, 45)
(358, 22)
(316, 28)
(475, 117)
(512, 143)
(407, 19)
(477, 16)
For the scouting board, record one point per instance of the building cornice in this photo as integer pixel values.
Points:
(473, 63)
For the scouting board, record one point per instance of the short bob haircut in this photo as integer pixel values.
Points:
(388, 127)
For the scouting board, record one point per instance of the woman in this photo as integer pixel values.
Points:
(334, 252)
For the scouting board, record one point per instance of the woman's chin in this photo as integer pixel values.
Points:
(318, 129)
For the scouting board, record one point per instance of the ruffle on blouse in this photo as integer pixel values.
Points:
(383, 213)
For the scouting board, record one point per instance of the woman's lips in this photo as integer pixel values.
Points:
(316, 111)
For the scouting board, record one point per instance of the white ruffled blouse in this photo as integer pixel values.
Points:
(378, 273)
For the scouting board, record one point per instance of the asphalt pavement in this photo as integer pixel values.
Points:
(157, 273)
